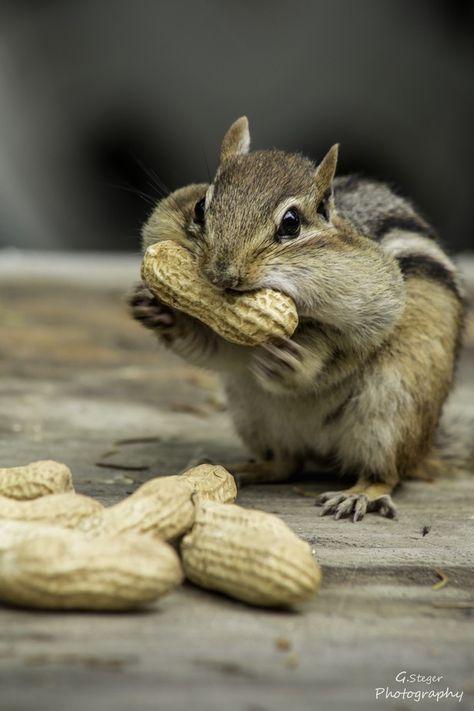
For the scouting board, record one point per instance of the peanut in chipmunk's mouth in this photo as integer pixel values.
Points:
(236, 291)
(283, 287)
(273, 284)
(239, 291)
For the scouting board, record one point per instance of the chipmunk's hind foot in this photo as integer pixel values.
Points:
(358, 501)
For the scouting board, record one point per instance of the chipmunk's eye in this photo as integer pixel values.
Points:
(199, 211)
(290, 224)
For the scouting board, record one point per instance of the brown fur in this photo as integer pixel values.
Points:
(362, 382)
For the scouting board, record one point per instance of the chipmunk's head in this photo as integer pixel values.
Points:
(268, 219)
(263, 216)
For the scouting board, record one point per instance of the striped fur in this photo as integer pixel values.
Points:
(375, 209)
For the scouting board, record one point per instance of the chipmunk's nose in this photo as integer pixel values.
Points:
(226, 281)
(222, 276)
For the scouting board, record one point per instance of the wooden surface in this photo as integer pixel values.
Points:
(83, 384)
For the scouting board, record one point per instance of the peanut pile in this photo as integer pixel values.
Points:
(62, 550)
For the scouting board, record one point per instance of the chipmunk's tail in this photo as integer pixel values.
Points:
(455, 438)
(453, 447)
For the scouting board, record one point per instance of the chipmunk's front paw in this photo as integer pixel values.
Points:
(149, 310)
(280, 365)
(344, 504)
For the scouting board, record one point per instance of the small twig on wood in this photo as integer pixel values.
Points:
(443, 580)
(109, 453)
(304, 492)
(138, 440)
(461, 605)
(283, 644)
(122, 467)
(189, 409)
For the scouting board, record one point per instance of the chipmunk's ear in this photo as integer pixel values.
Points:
(236, 140)
(326, 170)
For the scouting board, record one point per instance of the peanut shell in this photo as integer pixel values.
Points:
(209, 481)
(250, 555)
(13, 532)
(212, 482)
(161, 507)
(64, 570)
(245, 318)
(66, 509)
(36, 479)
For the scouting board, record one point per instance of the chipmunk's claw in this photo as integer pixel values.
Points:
(386, 507)
(147, 309)
(345, 505)
(279, 364)
(279, 358)
(329, 501)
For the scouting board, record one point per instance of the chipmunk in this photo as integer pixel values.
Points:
(362, 382)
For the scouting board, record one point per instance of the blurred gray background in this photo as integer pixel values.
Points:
(107, 103)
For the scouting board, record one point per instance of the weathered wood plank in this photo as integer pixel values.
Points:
(82, 383)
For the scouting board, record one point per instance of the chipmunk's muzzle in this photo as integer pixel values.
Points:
(222, 275)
